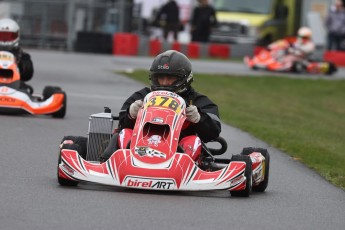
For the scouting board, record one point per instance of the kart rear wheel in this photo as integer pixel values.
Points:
(62, 181)
(331, 69)
(78, 140)
(298, 67)
(248, 174)
(263, 185)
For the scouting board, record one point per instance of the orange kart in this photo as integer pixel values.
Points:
(17, 97)
(273, 59)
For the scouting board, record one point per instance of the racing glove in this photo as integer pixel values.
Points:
(134, 108)
(193, 114)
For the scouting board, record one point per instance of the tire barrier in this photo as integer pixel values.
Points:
(132, 45)
(193, 50)
(337, 57)
(155, 47)
(125, 44)
(94, 42)
(219, 51)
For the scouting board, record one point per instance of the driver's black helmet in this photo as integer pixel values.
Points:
(172, 63)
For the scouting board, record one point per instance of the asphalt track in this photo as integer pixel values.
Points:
(31, 199)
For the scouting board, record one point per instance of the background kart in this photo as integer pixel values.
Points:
(16, 97)
(153, 160)
(272, 60)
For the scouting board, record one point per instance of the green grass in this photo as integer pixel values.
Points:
(303, 117)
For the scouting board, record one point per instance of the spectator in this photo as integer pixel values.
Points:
(335, 24)
(168, 18)
(203, 19)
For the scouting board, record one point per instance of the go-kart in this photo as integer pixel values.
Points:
(273, 59)
(153, 159)
(17, 97)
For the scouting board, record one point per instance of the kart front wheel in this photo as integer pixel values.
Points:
(247, 173)
(62, 180)
(263, 185)
(77, 140)
(48, 91)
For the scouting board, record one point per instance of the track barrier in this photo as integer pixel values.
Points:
(125, 44)
(132, 45)
(155, 47)
(219, 51)
(176, 46)
(193, 50)
(337, 57)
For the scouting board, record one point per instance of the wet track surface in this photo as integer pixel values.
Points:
(30, 197)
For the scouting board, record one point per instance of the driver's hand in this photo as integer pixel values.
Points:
(193, 114)
(134, 108)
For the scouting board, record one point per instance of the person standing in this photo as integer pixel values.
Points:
(203, 19)
(335, 25)
(168, 18)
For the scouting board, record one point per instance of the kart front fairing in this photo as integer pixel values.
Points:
(152, 162)
(158, 127)
(17, 101)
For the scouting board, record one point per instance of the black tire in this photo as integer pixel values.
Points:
(61, 112)
(265, 41)
(48, 91)
(263, 185)
(63, 181)
(26, 77)
(248, 174)
(332, 68)
(298, 67)
(80, 141)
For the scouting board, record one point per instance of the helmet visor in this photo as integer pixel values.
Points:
(304, 38)
(6, 36)
(167, 79)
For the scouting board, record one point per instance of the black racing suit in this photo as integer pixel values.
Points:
(207, 129)
(170, 13)
(203, 19)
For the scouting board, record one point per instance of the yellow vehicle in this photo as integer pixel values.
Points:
(255, 21)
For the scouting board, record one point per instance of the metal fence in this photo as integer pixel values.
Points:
(55, 23)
